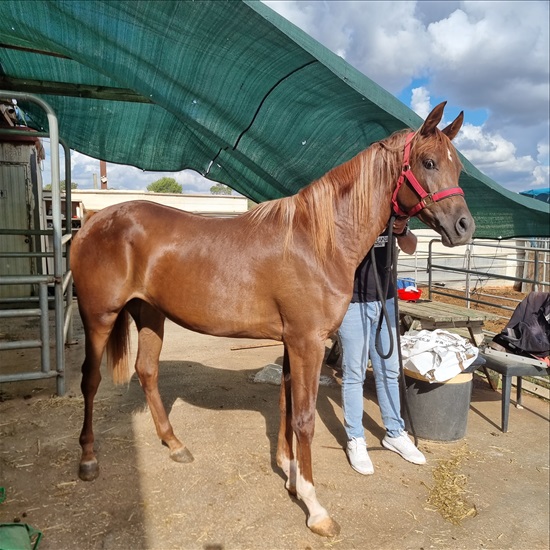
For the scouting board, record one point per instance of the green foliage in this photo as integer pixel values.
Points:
(48, 187)
(221, 189)
(165, 185)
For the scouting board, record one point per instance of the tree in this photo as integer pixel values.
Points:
(48, 187)
(165, 185)
(221, 189)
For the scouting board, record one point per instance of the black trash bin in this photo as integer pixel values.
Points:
(438, 411)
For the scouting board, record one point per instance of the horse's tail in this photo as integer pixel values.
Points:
(118, 347)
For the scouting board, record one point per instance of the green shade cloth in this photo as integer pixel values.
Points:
(229, 89)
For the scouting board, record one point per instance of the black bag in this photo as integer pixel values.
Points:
(528, 331)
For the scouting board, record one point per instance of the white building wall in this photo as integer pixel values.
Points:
(214, 205)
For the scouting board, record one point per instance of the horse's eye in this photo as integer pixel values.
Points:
(429, 164)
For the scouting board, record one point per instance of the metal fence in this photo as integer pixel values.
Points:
(469, 273)
(522, 265)
(61, 279)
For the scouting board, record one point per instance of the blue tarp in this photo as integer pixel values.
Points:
(539, 194)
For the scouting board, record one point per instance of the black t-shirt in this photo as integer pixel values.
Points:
(364, 286)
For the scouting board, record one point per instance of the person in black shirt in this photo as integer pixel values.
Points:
(358, 339)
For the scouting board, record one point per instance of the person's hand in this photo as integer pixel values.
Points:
(399, 225)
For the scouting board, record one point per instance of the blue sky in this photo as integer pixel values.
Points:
(489, 59)
(476, 117)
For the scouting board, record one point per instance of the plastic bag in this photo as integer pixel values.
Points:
(437, 355)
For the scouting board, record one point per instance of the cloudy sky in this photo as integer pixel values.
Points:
(490, 59)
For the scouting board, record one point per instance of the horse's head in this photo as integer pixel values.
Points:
(428, 184)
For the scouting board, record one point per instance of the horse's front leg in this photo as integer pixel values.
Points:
(285, 455)
(150, 325)
(305, 357)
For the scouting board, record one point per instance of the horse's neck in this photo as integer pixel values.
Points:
(354, 241)
(360, 220)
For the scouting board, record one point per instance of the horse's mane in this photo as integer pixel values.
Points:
(358, 185)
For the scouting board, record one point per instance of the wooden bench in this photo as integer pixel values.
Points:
(428, 315)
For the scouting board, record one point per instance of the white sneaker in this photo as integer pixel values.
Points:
(359, 459)
(405, 447)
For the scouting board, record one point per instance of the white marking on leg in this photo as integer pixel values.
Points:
(306, 493)
(285, 465)
(289, 469)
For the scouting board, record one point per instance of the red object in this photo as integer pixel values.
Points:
(409, 295)
(425, 198)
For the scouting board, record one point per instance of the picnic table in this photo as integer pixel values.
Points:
(428, 315)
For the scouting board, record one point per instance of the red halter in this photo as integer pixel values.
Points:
(425, 198)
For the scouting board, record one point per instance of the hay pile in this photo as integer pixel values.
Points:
(447, 495)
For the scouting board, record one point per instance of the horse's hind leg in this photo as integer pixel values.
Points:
(95, 342)
(150, 325)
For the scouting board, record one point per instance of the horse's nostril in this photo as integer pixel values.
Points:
(462, 226)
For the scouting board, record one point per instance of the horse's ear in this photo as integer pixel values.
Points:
(453, 128)
(433, 119)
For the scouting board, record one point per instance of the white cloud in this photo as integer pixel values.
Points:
(119, 176)
(479, 56)
(420, 102)
(498, 158)
(490, 56)
(384, 40)
(491, 153)
(543, 152)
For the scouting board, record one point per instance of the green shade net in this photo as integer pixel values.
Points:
(229, 89)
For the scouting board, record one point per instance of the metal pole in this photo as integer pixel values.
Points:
(57, 250)
(44, 326)
(430, 268)
(536, 273)
(468, 263)
(69, 229)
(57, 231)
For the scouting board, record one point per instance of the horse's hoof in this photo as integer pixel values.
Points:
(326, 528)
(182, 455)
(88, 471)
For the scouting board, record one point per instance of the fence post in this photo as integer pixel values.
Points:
(468, 265)
(536, 273)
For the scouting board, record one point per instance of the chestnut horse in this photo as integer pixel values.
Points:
(283, 271)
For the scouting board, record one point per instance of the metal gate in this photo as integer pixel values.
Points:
(17, 260)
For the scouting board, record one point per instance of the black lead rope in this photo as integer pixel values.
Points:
(391, 266)
(382, 293)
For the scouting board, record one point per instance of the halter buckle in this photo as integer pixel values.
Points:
(428, 199)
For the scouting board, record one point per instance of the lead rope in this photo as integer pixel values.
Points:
(402, 379)
(382, 293)
(391, 265)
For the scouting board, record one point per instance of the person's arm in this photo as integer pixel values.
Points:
(406, 239)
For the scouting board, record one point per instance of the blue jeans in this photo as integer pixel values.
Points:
(358, 337)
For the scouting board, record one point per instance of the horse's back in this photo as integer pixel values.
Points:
(119, 219)
(189, 266)
(136, 224)
(117, 245)
(225, 276)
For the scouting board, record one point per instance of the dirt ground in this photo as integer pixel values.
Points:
(493, 485)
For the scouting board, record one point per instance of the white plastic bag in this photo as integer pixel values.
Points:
(437, 355)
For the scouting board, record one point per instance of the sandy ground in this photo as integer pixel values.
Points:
(232, 496)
